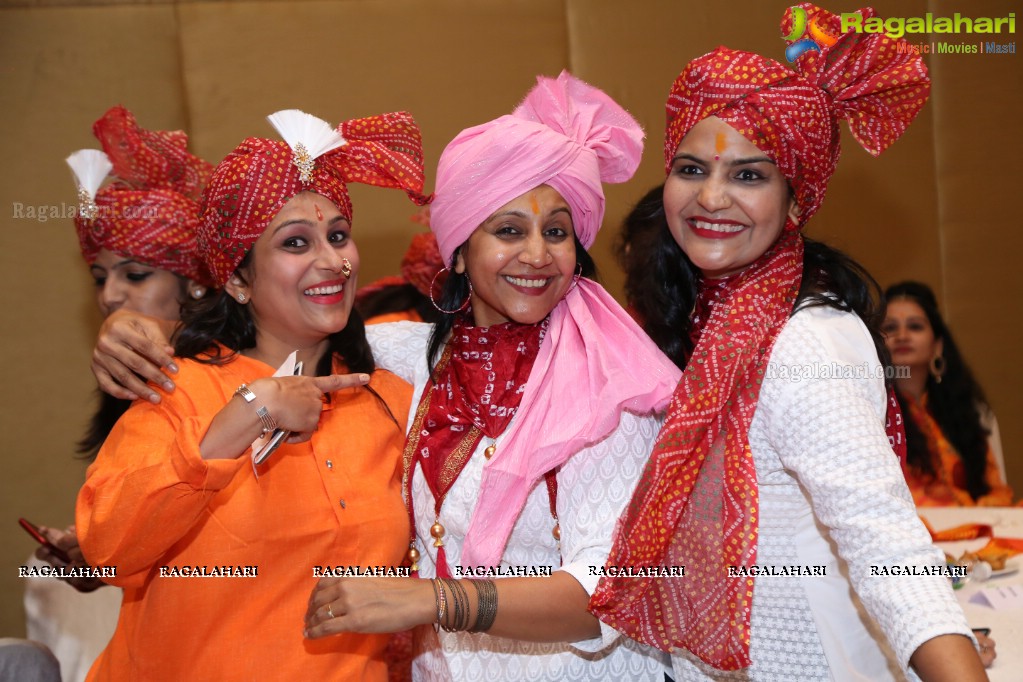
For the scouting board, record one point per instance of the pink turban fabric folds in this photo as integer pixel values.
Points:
(566, 134)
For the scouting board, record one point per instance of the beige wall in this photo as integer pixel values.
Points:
(936, 207)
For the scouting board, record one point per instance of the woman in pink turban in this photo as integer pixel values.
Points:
(773, 479)
(535, 406)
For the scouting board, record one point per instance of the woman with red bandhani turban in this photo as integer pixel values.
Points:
(137, 234)
(537, 400)
(773, 480)
(214, 548)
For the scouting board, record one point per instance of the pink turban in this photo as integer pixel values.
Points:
(566, 134)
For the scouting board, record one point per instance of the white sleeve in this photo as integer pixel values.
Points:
(593, 488)
(994, 437)
(400, 347)
(828, 428)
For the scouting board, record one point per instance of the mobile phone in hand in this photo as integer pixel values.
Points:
(32, 530)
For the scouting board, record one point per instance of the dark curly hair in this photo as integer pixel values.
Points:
(954, 403)
(661, 281)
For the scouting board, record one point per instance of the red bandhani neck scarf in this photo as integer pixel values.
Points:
(697, 502)
(475, 391)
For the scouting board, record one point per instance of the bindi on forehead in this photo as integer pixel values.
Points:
(534, 205)
(319, 213)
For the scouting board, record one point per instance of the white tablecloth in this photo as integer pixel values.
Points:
(1006, 626)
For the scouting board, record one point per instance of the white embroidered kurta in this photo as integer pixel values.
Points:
(832, 494)
(593, 488)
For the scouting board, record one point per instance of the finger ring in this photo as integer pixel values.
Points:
(329, 612)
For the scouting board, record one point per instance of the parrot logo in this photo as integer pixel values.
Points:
(801, 26)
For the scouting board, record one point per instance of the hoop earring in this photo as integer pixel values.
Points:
(460, 308)
(938, 368)
(578, 274)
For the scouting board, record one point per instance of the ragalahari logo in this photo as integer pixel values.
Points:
(818, 38)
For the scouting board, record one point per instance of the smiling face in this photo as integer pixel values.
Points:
(125, 283)
(295, 285)
(909, 335)
(521, 260)
(726, 202)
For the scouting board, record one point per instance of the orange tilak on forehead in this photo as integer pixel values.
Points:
(719, 145)
(319, 213)
(534, 204)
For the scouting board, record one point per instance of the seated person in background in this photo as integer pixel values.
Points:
(950, 454)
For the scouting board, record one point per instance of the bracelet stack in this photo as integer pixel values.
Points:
(268, 422)
(461, 611)
(486, 605)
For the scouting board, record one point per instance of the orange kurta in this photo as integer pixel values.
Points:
(151, 501)
(947, 486)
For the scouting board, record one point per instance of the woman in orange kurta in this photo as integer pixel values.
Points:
(217, 555)
(947, 484)
(950, 445)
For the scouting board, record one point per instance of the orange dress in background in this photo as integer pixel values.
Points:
(947, 487)
(397, 316)
(150, 501)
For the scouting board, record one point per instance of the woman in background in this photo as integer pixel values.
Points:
(951, 434)
(137, 234)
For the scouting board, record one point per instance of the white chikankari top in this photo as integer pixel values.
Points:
(832, 494)
(593, 488)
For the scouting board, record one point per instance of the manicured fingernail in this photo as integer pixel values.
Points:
(363, 378)
(153, 398)
(168, 385)
(172, 367)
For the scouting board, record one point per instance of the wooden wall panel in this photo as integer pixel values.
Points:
(60, 69)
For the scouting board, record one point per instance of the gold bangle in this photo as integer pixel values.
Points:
(441, 599)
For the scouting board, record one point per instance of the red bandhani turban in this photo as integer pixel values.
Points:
(697, 503)
(422, 262)
(151, 212)
(252, 184)
(793, 116)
